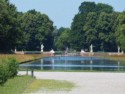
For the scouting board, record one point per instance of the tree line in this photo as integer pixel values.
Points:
(23, 31)
(96, 24)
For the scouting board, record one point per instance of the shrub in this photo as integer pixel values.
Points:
(8, 69)
(13, 66)
(3, 72)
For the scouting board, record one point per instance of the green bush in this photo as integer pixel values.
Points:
(8, 69)
(3, 72)
(13, 66)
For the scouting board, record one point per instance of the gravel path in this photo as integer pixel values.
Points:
(87, 82)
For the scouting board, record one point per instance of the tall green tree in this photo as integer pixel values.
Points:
(90, 26)
(77, 34)
(39, 30)
(10, 33)
(90, 30)
(120, 31)
(77, 38)
(106, 32)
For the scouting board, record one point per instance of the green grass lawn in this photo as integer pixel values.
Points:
(50, 85)
(21, 84)
(16, 85)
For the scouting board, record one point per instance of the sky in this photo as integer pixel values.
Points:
(61, 12)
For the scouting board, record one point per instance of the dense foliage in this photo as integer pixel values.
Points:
(24, 31)
(3, 72)
(8, 69)
(120, 30)
(61, 39)
(38, 27)
(10, 33)
(96, 24)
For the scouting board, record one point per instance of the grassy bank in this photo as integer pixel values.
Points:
(21, 57)
(114, 57)
(117, 57)
(21, 84)
(28, 57)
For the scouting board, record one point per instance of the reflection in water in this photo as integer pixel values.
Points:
(53, 64)
(91, 62)
(118, 65)
(75, 63)
(41, 64)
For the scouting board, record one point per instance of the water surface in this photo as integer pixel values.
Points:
(75, 63)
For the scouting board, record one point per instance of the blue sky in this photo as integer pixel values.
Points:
(61, 12)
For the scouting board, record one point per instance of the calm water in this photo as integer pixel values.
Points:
(75, 63)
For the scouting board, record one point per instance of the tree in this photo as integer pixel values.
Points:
(104, 8)
(77, 34)
(93, 25)
(90, 30)
(63, 39)
(120, 31)
(57, 33)
(10, 33)
(106, 32)
(87, 7)
(39, 29)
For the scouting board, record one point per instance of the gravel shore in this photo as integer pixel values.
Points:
(87, 82)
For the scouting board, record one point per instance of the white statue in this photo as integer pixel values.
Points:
(118, 49)
(15, 50)
(91, 48)
(42, 48)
